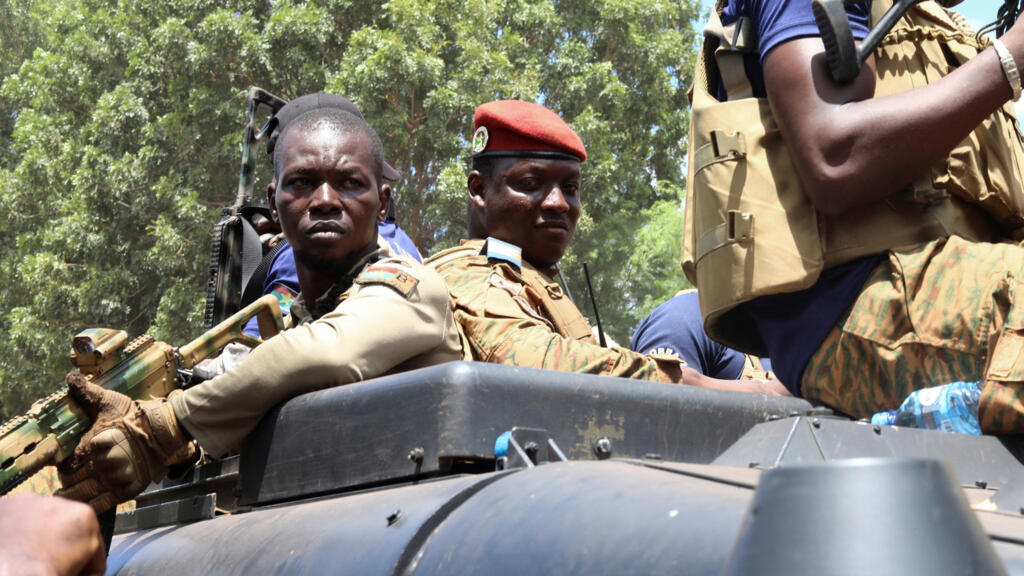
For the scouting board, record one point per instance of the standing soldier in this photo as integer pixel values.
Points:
(862, 234)
(524, 197)
(359, 315)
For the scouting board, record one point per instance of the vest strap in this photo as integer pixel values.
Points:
(738, 226)
(724, 145)
(736, 39)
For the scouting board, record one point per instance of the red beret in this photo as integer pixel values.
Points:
(518, 128)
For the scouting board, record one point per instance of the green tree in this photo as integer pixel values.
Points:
(121, 124)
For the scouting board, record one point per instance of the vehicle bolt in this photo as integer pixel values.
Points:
(877, 429)
(1022, 510)
(981, 484)
(754, 465)
(774, 417)
(416, 454)
(602, 447)
(394, 517)
(815, 422)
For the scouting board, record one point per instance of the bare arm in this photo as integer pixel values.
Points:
(771, 387)
(850, 149)
(49, 536)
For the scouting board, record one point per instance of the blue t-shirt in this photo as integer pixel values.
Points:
(794, 325)
(398, 240)
(675, 327)
(283, 281)
(776, 21)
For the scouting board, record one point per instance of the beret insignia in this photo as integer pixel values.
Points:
(480, 140)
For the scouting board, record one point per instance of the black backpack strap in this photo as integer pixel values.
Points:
(254, 285)
(252, 252)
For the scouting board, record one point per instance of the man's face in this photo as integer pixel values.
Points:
(533, 203)
(327, 196)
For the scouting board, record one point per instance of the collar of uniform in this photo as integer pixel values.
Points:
(549, 273)
(499, 250)
(301, 312)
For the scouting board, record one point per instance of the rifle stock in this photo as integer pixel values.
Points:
(146, 368)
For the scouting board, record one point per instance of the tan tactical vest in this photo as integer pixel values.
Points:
(749, 229)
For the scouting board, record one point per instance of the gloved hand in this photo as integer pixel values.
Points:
(129, 445)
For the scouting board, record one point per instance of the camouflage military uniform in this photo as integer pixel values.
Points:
(395, 316)
(511, 313)
(931, 314)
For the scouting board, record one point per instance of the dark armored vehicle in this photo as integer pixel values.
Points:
(485, 469)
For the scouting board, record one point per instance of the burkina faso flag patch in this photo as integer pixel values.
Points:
(399, 279)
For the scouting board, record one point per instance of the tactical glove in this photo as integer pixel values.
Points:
(130, 444)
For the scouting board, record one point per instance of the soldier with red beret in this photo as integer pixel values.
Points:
(524, 202)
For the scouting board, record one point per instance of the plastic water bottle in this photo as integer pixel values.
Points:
(950, 408)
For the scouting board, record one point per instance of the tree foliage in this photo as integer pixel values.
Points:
(121, 126)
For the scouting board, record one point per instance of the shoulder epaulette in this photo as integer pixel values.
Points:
(498, 250)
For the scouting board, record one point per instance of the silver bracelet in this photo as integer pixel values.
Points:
(1009, 67)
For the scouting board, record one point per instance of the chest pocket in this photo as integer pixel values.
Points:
(508, 299)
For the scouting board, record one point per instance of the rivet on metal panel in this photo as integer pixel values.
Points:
(531, 450)
(981, 484)
(602, 447)
(815, 422)
(394, 517)
(877, 429)
(754, 465)
(416, 454)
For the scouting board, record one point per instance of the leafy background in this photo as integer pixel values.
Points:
(120, 137)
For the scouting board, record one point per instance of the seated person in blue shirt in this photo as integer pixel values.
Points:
(675, 328)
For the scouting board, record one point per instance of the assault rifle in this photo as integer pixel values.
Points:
(237, 251)
(845, 57)
(145, 368)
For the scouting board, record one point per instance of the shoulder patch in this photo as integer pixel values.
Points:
(498, 250)
(399, 279)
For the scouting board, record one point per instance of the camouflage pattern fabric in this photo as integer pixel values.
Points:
(502, 321)
(929, 315)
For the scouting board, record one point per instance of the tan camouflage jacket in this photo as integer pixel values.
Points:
(507, 319)
(396, 316)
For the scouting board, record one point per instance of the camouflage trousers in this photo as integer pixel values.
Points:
(928, 315)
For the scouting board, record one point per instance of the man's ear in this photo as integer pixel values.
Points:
(476, 184)
(271, 191)
(385, 202)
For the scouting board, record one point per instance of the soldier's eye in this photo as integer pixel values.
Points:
(528, 183)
